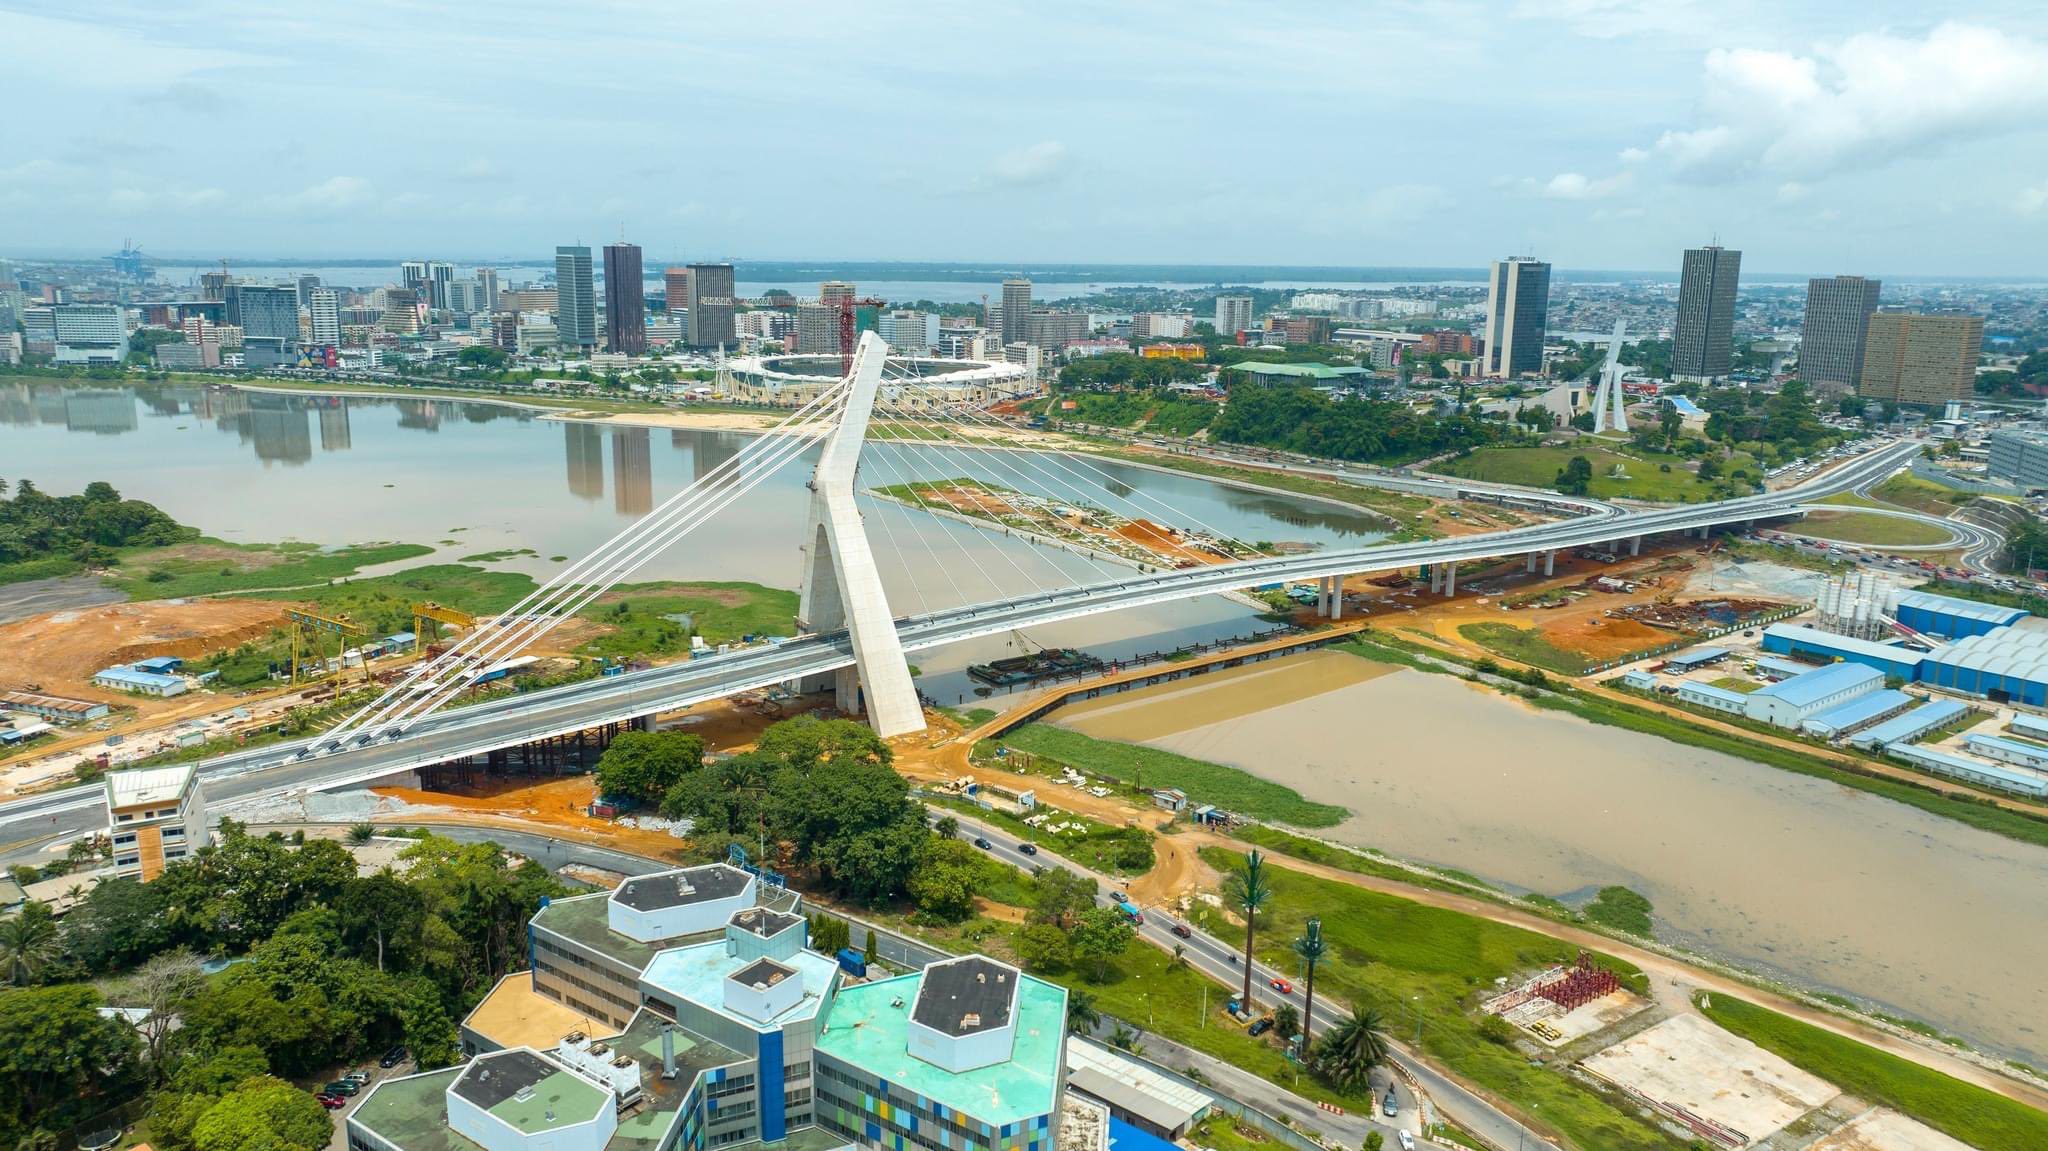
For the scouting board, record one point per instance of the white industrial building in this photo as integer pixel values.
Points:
(1790, 702)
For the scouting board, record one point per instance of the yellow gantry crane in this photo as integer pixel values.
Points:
(423, 612)
(308, 630)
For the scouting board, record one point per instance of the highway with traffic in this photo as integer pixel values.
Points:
(27, 823)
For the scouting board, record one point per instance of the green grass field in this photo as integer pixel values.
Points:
(212, 567)
(1230, 788)
(1736, 683)
(1983, 1119)
(1414, 960)
(1869, 528)
(1910, 491)
(1643, 478)
(1526, 645)
(721, 613)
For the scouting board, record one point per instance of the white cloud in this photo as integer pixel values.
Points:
(2032, 201)
(1039, 163)
(330, 195)
(1575, 186)
(1859, 103)
(1792, 191)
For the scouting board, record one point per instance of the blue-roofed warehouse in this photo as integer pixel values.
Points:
(2004, 750)
(2008, 663)
(1952, 618)
(1910, 726)
(1790, 702)
(1862, 711)
(1770, 667)
(2017, 780)
(1813, 643)
(1696, 658)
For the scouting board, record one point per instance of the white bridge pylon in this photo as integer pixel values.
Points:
(1610, 413)
(841, 585)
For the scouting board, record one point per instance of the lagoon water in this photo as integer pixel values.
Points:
(1827, 887)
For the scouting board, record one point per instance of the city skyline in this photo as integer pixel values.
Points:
(1811, 134)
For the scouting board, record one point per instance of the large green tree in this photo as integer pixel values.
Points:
(58, 1056)
(29, 942)
(1099, 937)
(644, 765)
(948, 874)
(1248, 889)
(1351, 1048)
(264, 1114)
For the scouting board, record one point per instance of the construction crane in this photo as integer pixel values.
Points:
(847, 307)
(309, 626)
(429, 610)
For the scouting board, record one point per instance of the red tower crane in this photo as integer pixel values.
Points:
(846, 306)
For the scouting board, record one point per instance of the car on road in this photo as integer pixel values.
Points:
(982, 843)
(1390, 1106)
(357, 1077)
(1182, 930)
(1259, 1027)
(1028, 848)
(342, 1087)
(331, 1102)
(1407, 1141)
(1281, 985)
(392, 1058)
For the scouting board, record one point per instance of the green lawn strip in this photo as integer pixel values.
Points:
(43, 567)
(383, 604)
(163, 573)
(1231, 788)
(720, 612)
(1910, 491)
(1537, 467)
(1374, 649)
(1871, 528)
(1122, 850)
(1408, 958)
(1849, 499)
(1525, 645)
(1735, 683)
(1984, 1119)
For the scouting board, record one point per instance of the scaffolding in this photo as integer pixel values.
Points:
(1581, 984)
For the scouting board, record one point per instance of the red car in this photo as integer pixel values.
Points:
(1282, 986)
(1182, 930)
(332, 1102)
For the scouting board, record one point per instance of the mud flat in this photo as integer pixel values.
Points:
(1829, 888)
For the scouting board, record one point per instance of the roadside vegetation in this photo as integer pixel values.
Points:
(1910, 491)
(45, 537)
(1147, 768)
(1984, 1119)
(214, 567)
(1615, 473)
(1089, 842)
(1871, 528)
(1525, 645)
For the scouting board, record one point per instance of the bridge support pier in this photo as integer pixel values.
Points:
(1529, 563)
(1635, 545)
(1549, 563)
(1450, 580)
(1336, 593)
(841, 585)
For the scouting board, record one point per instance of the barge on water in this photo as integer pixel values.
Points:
(1051, 663)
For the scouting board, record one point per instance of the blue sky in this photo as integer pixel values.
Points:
(1830, 136)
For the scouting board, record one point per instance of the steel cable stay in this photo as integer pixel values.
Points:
(905, 474)
(488, 644)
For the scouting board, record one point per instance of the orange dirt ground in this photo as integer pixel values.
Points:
(62, 649)
(1598, 637)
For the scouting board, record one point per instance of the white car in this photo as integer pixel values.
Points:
(1407, 1141)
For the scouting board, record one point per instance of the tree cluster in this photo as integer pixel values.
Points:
(331, 967)
(1125, 370)
(84, 528)
(1297, 418)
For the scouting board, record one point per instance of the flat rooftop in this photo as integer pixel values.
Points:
(646, 1128)
(514, 1015)
(965, 996)
(697, 973)
(148, 785)
(763, 972)
(530, 1094)
(680, 888)
(866, 1030)
(412, 1112)
(584, 919)
(763, 921)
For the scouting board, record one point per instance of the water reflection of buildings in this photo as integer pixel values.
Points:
(334, 433)
(707, 449)
(632, 472)
(585, 447)
(107, 413)
(280, 429)
(421, 415)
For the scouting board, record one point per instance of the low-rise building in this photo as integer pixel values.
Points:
(55, 708)
(129, 678)
(1717, 698)
(155, 816)
(1790, 702)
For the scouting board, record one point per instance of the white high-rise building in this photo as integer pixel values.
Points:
(326, 318)
(908, 332)
(1233, 314)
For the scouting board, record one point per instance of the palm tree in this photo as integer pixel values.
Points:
(1352, 1048)
(1249, 889)
(1082, 1017)
(28, 942)
(1311, 948)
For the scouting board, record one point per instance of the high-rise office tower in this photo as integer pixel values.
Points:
(1016, 310)
(412, 276)
(487, 288)
(307, 283)
(675, 283)
(1837, 319)
(1916, 358)
(1704, 342)
(264, 312)
(326, 317)
(575, 300)
(711, 305)
(440, 274)
(1517, 310)
(625, 300)
(213, 286)
(1233, 315)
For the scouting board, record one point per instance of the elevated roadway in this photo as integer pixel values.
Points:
(282, 768)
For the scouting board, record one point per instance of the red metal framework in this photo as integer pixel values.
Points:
(1581, 985)
(848, 306)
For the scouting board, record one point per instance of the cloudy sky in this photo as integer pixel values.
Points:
(1824, 135)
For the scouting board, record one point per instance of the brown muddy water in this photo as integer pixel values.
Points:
(1824, 886)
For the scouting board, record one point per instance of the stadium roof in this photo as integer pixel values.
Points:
(1801, 690)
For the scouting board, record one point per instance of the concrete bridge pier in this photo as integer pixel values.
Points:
(1635, 545)
(1529, 565)
(1550, 563)
(1450, 580)
(1335, 586)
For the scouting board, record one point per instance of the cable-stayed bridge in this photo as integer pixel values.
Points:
(853, 642)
